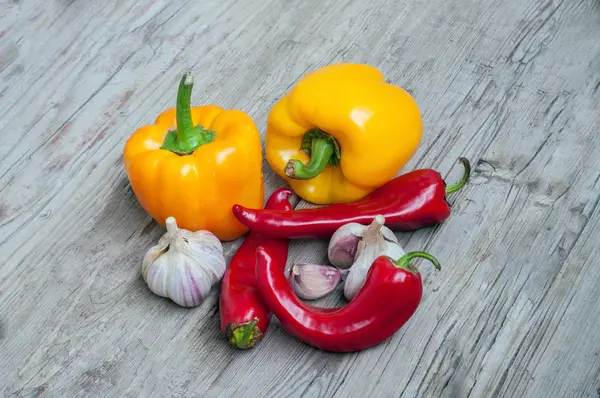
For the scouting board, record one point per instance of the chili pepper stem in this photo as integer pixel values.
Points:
(321, 151)
(404, 261)
(187, 137)
(244, 335)
(465, 178)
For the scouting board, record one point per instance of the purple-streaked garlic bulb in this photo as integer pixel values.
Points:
(184, 265)
(373, 244)
(343, 245)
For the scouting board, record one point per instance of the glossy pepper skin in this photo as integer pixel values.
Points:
(411, 201)
(244, 316)
(356, 132)
(390, 296)
(194, 163)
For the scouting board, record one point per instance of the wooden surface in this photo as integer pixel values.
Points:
(513, 85)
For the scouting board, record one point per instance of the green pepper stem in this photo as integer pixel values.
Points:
(465, 178)
(404, 261)
(245, 335)
(183, 111)
(187, 137)
(321, 151)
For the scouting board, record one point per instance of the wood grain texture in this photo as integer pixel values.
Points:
(513, 85)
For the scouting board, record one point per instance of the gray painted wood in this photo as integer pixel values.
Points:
(513, 85)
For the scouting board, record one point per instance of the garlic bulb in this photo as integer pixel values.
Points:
(344, 243)
(184, 265)
(372, 245)
(313, 281)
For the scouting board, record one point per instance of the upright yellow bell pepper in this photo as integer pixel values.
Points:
(342, 132)
(195, 163)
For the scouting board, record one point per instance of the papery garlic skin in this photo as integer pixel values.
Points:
(313, 281)
(372, 245)
(184, 265)
(343, 245)
(393, 250)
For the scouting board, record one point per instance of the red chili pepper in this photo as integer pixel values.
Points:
(408, 202)
(244, 316)
(389, 297)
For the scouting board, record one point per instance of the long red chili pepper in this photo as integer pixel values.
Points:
(389, 297)
(408, 202)
(244, 316)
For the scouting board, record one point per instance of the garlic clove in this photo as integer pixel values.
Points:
(371, 246)
(313, 281)
(151, 256)
(388, 234)
(342, 250)
(372, 237)
(393, 251)
(189, 284)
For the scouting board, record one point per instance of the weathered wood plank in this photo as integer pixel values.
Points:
(512, 85)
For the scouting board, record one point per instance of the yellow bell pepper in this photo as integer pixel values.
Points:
(195, 163)
(342, 132)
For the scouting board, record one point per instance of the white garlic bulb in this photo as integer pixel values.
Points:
(184, 265)
(372, 245)
(343, 244)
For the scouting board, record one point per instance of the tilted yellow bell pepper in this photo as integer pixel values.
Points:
(195, 163)
(342, 132)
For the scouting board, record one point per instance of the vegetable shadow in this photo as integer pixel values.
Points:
(123, 219)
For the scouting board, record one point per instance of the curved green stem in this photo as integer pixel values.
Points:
(465, 178)
(404, 261)
(321, 151)
(187, 137)
(183, 111)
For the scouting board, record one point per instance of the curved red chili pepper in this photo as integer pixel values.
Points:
(244, 316)
(389, 297)
(408, 202)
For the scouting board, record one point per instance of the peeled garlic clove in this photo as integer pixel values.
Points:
(313, 281)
